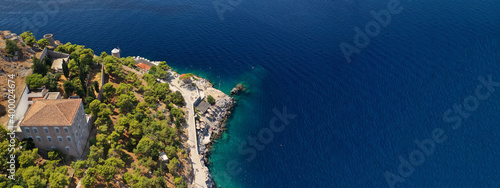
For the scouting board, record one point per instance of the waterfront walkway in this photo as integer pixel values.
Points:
(200, 173)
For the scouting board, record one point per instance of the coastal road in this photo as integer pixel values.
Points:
(200, 175)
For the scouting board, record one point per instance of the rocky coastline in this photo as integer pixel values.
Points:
(210, 116)
(215, 135)
(211, 123)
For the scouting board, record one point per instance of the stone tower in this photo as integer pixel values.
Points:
(50, 38)
(116, 52)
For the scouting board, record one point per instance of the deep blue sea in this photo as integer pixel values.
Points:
(351, 121)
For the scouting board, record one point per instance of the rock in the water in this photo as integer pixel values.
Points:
(236, 90)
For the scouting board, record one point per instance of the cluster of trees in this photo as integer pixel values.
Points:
(42, 43)
(126, 101)
(128, 61)
(132, 78)
(139, 129)
(160, 71)
(29, 174)
(76, 70)
(105, 157)
(81, 59)
(186, 78)
(154, 91)
(30, 40)
(75, 86)
(148, 137)
(101, 111)
(177, 98)
(42, 75)
(11, 47)
(36, 80)
(41, 66)
(112, 65)
(163, 65)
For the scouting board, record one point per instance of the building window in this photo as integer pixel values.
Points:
(76, 134)
(78, 126)
(78, 142)
(66, 129)
(39, 139)
(60, 138)
(67, 148)
(68, 138)
(57, 129)
(49, 138)
(27, 129)
(30, 137)
(35, 130)
(46, 129)
(53, 147)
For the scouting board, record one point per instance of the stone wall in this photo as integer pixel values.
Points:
(53, 54)
(21, 106)
(80, 131)
(44, 53)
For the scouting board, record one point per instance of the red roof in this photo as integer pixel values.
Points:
(58, 112)
(143, 66)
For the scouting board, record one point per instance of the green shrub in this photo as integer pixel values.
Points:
(55, 154)
(11, 47)
(211, 100)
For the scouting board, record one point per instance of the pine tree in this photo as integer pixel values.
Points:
(65, 69)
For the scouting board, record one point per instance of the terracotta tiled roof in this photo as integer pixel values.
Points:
(59, 112)
(143, 66)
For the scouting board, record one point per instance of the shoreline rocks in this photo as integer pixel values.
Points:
(239, 88)
(210, 123)
(210, 131)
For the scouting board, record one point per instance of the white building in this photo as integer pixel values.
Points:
(116, 52)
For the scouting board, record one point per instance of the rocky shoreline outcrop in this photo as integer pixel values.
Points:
(213, 130)
(239, 88)
(210, 121)
(209, 131)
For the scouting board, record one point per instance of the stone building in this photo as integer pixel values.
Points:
(50, 39)
(57, 58)
(57, 124)
(116, 52)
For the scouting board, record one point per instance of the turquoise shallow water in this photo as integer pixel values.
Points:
(353, 120)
